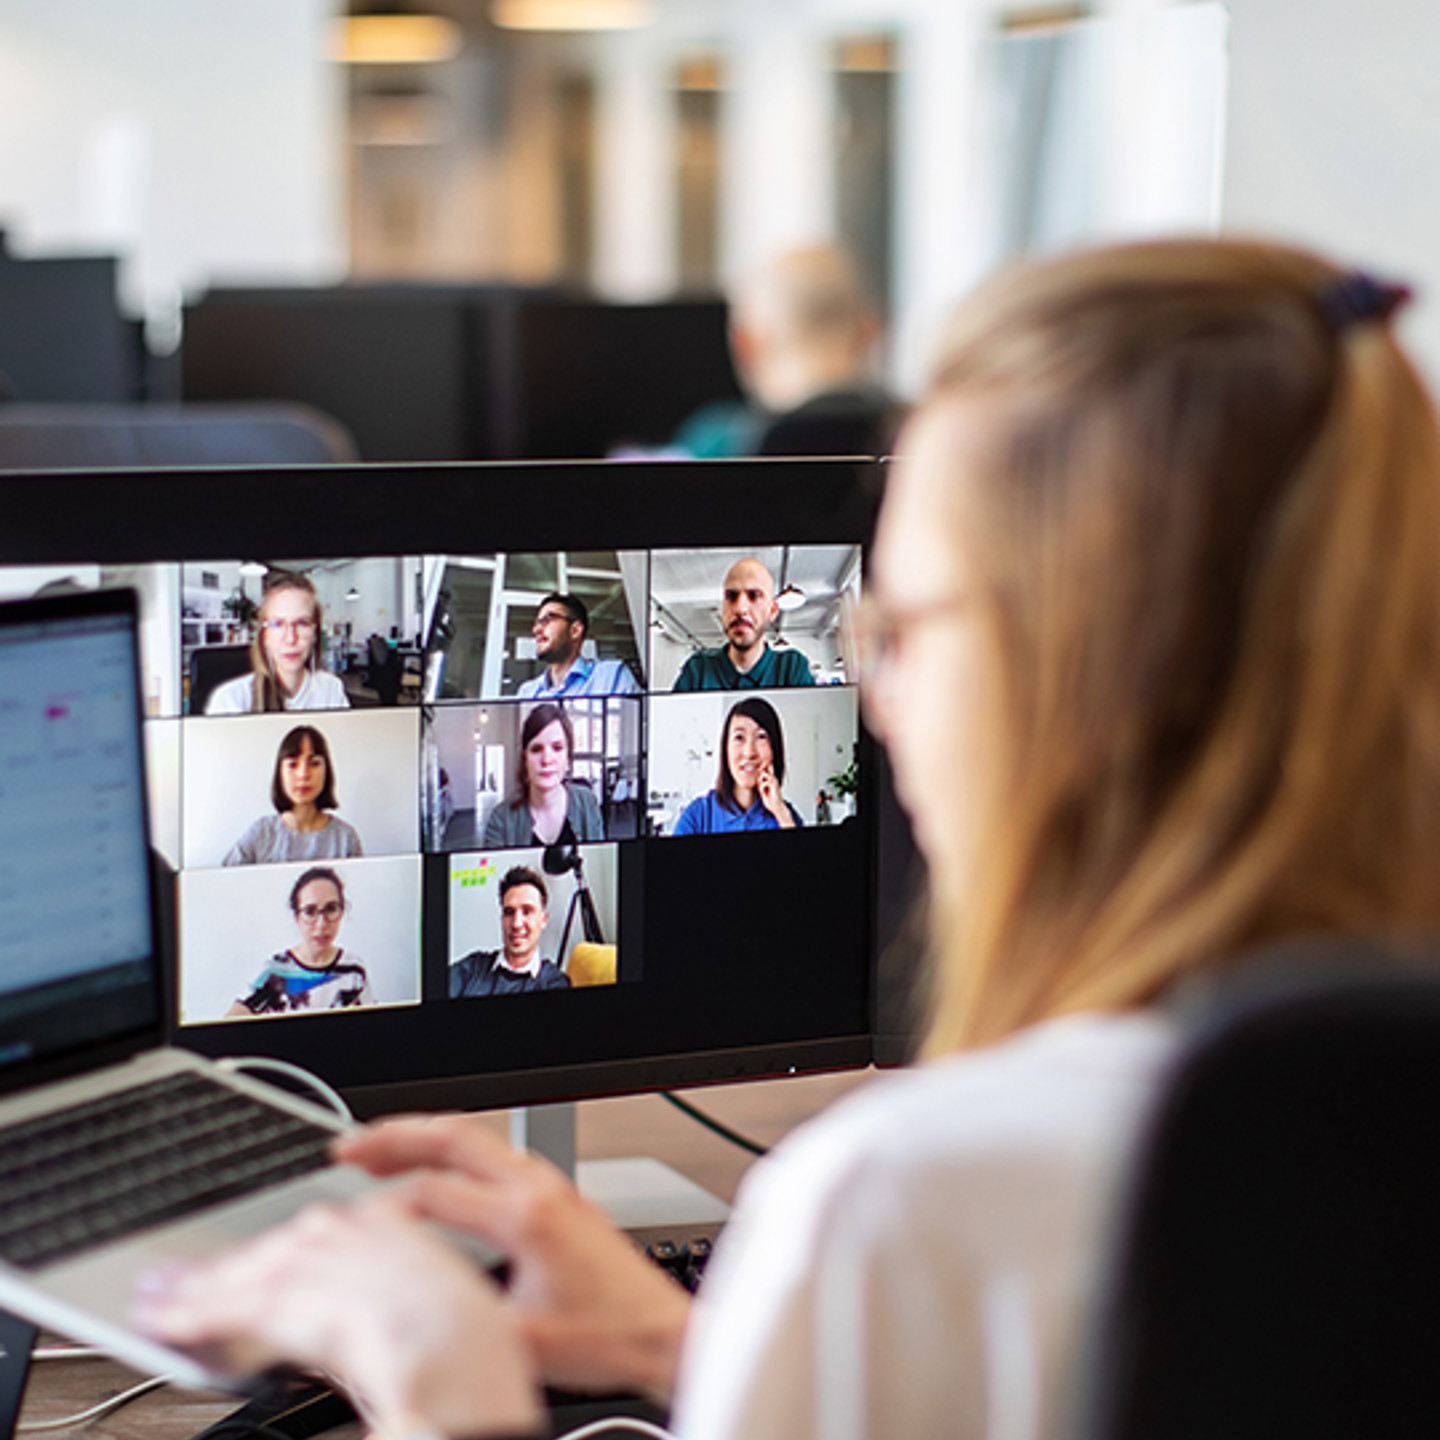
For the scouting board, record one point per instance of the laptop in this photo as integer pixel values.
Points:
(84, 1071)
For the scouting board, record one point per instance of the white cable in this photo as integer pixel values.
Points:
(326, 1094)
(96, 1411)
(618, 1422)
(68, 1352)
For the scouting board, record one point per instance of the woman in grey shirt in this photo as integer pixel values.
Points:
(548, 807)
(302, 790)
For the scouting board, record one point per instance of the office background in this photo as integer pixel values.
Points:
(208, 143)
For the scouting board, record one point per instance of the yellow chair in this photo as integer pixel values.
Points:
(591, 964)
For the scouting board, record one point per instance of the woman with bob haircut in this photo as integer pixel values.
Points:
(302, 790)
(284, 655)
(747, 793)
(1154, 644)
(548, 807)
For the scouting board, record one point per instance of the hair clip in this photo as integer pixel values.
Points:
(1356, 298)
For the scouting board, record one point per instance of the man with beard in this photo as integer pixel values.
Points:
(746, 661)
(560, 627)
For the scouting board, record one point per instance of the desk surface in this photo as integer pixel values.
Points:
(632, 1125)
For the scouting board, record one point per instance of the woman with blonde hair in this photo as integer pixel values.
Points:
(1162, 557)
(285, 671)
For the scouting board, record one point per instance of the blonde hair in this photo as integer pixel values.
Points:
(1204, 537)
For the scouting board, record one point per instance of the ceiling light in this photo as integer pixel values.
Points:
(393, 36)
(792, 597)
(252, 569)
(571, 14)
(352, 593)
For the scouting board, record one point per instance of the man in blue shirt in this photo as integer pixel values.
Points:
(746, 661)
(560, 627)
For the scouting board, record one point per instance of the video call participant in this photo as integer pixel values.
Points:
(302, 790)
(561, 625)
(284, 662)
(315, 973)
(548, 807)
(747, 793)
(518, 967)
(746, 661)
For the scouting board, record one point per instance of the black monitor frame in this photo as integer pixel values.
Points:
(175, 515)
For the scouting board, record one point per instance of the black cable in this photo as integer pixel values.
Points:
(711, 1123)
(247, 1429)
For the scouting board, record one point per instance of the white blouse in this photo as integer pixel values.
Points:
(916, 1261)
(319, 690)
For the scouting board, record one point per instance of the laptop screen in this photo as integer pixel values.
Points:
(77, 952)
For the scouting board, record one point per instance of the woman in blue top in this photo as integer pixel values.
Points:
(747, 793)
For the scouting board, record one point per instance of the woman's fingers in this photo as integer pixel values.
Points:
(376, 1301)
(596, 1312)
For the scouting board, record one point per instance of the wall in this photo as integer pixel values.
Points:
(198, 138)
(1333, 138)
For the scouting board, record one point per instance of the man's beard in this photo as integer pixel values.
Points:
(756, 638)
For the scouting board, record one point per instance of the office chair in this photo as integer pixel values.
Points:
(1276, 1266)
(213, 665)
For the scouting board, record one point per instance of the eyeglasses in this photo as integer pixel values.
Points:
(548, 617)
(330, 910)
(880, 631)
(279, 627)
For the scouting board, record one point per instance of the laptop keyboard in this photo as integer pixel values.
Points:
(96, 1172)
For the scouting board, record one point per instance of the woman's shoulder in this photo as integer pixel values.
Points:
(1059, 1100)
(503, 821)
(346, 838)
(320, 690)
(927, 1199)
(231, 697)
(583, 804)
(697, 816)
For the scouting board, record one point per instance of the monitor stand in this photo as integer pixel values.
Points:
(637, 1193)
(17, 1337)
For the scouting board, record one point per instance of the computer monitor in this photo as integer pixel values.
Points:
(358, 885)
(63, 336)
(592, 378)
(404, 368)
(453, 372)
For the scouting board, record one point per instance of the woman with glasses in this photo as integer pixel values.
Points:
(1155, 649)
(284, 656)
(302, 790)
(314, 973)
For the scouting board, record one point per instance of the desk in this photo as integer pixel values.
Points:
(630, 1125)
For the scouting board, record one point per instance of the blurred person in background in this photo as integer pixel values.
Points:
(803, 334)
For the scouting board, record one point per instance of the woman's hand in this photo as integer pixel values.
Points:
(399, 1319)
(595, 1312)
(772, 799)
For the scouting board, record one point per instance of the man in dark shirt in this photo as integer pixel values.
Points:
(746, 661)
(517, 967)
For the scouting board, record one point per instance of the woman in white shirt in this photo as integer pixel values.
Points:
(1162, 557)
(284, 656)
